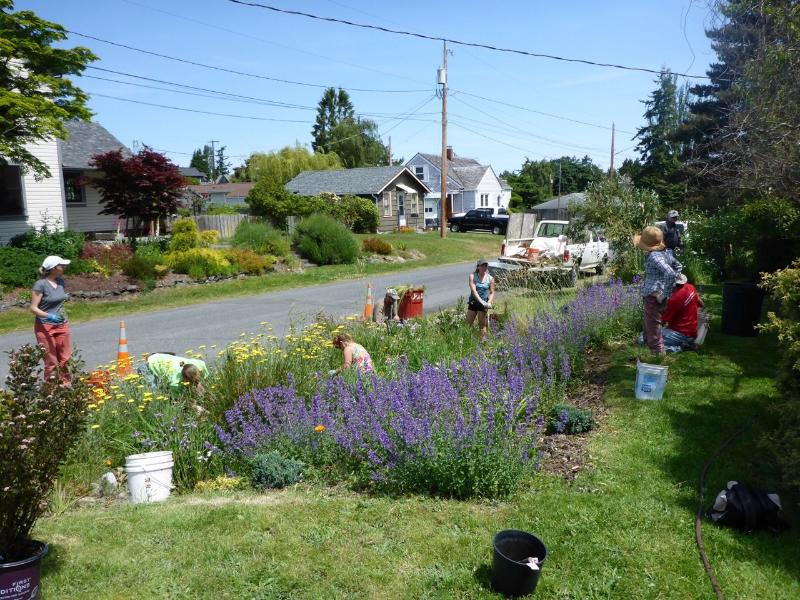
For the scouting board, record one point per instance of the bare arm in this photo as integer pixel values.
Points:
(36, 298)
(472, 287)
(348, 357)
(491, 291)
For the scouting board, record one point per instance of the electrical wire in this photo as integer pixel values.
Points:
(235, 72)
(424, 36)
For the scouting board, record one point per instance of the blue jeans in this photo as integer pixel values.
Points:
(675, 341)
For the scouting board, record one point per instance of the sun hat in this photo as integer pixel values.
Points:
(51, 262)
(680, 279)
(650, 240)
(391, 292)
(673, 214)
(482, 261)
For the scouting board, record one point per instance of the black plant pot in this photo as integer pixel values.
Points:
(511, 576)
(20, 580)
(741, 308)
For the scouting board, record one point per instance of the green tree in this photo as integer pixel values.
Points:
(203, 161)
(278, 168)
(533, 182)
(574, 174)
(222, 167)
(36, 97)
(661, 168)
(358, 143)
(333, 108)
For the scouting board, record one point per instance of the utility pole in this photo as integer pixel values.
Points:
(558, 204)
(390, 151)
(213, 160)
(611, 168)
(443, 193)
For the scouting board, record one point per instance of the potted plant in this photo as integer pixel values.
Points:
(39, 423)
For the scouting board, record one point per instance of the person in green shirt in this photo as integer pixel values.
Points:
(172, 371)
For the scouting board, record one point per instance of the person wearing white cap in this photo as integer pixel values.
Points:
(680, 316)
(51, 327)
(387, 310)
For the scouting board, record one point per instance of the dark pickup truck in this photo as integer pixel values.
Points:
(491, 219)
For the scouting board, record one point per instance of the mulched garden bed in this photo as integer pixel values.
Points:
(567, 455)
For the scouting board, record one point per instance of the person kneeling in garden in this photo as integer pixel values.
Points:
(354, 354)
(175, 372)
(680, 316)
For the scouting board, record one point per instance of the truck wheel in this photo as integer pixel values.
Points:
(454, 228)
(572, 277)
(496, 230)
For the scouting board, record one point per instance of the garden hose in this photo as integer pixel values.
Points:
(698, 519)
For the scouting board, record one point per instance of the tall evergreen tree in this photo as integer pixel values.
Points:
(358, 143)
(202, 161)
(222, 166)
(334, 107)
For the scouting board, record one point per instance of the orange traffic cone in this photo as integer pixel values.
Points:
(368, 306)
(123, 358)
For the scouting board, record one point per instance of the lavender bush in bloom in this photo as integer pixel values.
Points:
(463, 429)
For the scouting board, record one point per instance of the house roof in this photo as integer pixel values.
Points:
(237, 190)
(504, 184)
(456, 161)
(471, 176)
(86, 138)
(192, 172)
(364, 180)
(563, 202)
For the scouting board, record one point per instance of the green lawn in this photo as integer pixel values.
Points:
(623, 529)
(455, 248)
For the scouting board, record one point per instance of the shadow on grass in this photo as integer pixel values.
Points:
(52, 563)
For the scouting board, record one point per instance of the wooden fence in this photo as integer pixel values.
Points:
(225, 224)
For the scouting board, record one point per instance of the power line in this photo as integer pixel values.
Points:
(233, 71)
(459, 42)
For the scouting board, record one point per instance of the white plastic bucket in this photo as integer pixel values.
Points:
(650, 381)
(702, 327)
(149, 476)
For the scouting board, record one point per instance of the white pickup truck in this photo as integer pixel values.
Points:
(549, 252)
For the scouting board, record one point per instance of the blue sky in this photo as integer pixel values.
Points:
(646, 33)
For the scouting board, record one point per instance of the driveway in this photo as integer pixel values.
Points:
(221, 322)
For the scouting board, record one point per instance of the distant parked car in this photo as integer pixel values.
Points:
(481, 218)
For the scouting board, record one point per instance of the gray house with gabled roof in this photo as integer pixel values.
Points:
(469, 183)
(66, 198)
(396, 191)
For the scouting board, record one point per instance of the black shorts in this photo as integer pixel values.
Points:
(475, 306)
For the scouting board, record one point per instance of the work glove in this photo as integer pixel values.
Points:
(54, 318)
(332, 372)
(487, 305)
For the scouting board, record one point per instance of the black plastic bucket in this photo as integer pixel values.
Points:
(741, 308)
(511, 574)
(20, 580)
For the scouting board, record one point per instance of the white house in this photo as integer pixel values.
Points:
(469, 184)
(66, 198)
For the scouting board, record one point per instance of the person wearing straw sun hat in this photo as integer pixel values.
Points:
(51, 326)
(660, 270)
(481, 294)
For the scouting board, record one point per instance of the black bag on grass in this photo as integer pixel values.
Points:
(747, 508)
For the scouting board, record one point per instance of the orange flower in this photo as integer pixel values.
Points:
(109, 462)
(319, 428)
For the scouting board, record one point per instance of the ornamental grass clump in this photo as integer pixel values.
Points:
(40, 421)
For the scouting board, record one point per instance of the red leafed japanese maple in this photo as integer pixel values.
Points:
(144, 186)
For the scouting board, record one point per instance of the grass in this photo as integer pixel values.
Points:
(455, 248)
(622, 529)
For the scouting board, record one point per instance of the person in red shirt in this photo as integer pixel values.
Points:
(680, 316)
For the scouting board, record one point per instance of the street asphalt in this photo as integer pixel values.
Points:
(220, 322)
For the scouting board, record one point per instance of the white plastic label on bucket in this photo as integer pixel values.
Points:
(149, 476)
(650, 381)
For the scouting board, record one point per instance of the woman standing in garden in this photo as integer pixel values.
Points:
(51, 326)
(481, 295)
(660, 270)
(354, 354)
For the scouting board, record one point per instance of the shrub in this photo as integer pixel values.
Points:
(247, 261)
(185, 235)
(152, 248)
(377, 246)
(49, 240)
(565, 418)
(271, 470)
(272, 201)
(40, 421)
(324, 241)
(405, 229)
(18, 267)
(226, 209)
(209, 237)
(222, 483)
(357, 214)
(109, 257)
(261, 238)
(198, 263)
(785, 442)
(79, 266)
(141, 268)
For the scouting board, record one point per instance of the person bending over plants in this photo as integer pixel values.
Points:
(164, 369)
(353, 355)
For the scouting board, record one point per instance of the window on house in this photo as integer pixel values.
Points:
(428, 209)
(387, 204)
(74, 188)
(484, 200)
(420, 172)
(11, 203)
(413, 203)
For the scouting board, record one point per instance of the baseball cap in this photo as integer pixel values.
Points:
(51, 262)
(393, 294)
(673, 214)
(681, 279)
(482, 261)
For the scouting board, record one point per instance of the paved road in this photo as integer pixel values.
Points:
(221, 322)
